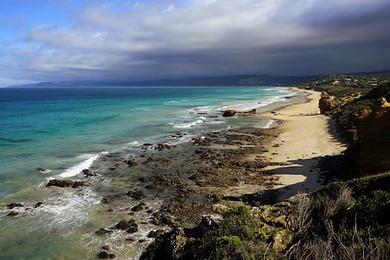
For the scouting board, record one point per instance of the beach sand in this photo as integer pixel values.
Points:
(306, 136)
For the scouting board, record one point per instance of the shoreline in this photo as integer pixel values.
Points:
(176, 185)
(307, 136)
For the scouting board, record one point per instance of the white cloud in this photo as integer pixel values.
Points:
(204, 36)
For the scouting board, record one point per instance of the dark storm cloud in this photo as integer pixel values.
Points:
(212, 37)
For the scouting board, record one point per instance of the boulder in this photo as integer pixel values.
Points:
(137, 195)
(103, 231)
(12, 214)
(129, 225)
(105, 255)
(88, 173)
(138, 207)
(229, 113)
(14, 205)
(155, 233)
(131, 162)
(38, 204)
(161, 147)
(161, 218)
(64, 183)
(168, 246)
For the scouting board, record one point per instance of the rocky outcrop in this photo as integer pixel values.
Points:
(328, 103)
(105, 255)
(131, 162)
(373, 133)
(129, 225)
(229, 113)
(167, 246)
(65, 183)
(14, 205)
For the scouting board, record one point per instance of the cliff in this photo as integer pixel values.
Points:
(367, 121)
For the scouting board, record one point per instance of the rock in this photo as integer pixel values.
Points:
(229, 113)
(168, 246)
(373, 154)
(161, 147)
(14, 205)
(138, 207)
(124, 224)
(131, 162)
(155, 233)
(132, 229)
(282, 240)
(105, 255)
(106, 247)
(137, 195)
(161, 218)
(12, 214)
(129, 225)
(210, 221)
(65, 183)
(328, 103)
(103, 231)
(382, 103)
(77, 184)
(249, 112)
(88, 173)
(38, 204)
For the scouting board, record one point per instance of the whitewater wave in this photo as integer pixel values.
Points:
(187, 125)
(246, 106)
(175, 101)
(133, 144)
(69, 210)
(269, 124)
(76, 169)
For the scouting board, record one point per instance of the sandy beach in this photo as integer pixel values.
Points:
(305, 137)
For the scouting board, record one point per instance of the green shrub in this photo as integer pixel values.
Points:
(233, 242)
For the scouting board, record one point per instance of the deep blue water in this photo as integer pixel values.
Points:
(57, 128)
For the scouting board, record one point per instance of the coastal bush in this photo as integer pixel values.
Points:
(344, 221)
(233, 242)
(341, 91)
(349, 115)
(239, 222)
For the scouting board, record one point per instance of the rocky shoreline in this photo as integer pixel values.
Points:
(170, 186)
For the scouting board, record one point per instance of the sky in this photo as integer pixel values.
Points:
(60, 40)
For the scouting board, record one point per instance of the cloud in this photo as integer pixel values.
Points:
(211, 37)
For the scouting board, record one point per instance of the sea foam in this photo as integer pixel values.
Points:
(77, 168)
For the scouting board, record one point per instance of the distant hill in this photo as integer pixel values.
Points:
(235, 80)
(240, 80)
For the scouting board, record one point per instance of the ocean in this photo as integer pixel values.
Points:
(57, 132)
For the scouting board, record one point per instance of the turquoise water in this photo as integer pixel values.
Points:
(51, 132)
(45, 131)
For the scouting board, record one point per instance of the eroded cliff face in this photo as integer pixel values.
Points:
(328, 103)
(367, 121)
(373, 133)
